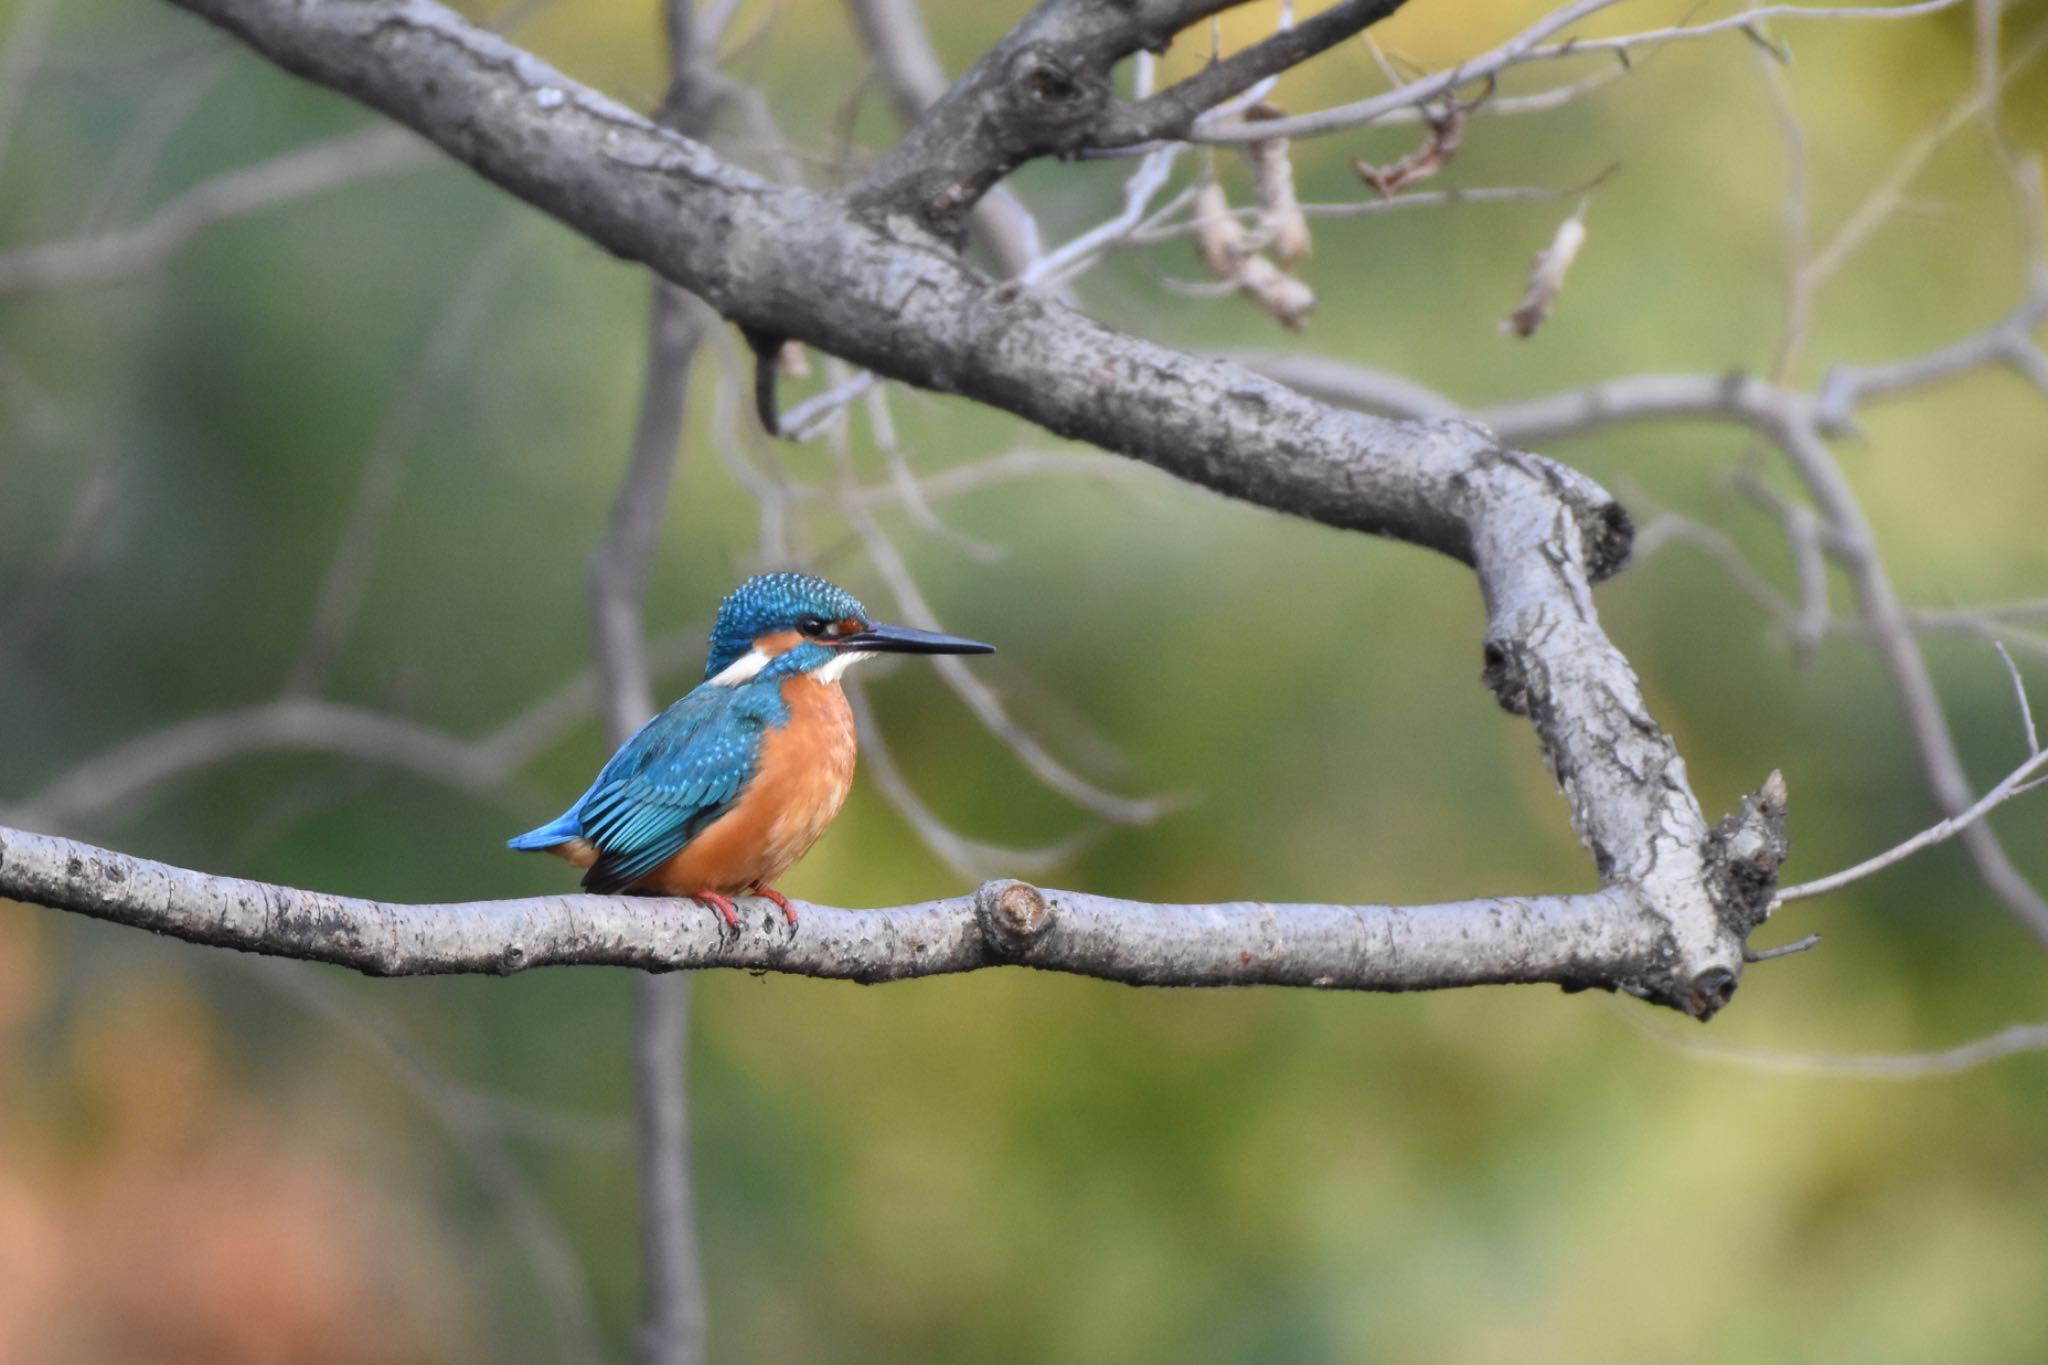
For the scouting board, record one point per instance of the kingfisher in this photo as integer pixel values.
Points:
(720, 794)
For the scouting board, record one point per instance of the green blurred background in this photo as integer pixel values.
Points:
(206, 1158)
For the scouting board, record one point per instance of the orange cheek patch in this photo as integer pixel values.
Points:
(781, 642)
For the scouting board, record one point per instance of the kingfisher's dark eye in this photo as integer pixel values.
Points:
(812, 626)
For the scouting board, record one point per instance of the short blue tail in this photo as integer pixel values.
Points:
(560, 830)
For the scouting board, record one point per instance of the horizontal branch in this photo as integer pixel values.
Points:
(1602, 939)
(283, 725)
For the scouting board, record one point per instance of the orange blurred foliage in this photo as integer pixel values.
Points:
(151, 1215)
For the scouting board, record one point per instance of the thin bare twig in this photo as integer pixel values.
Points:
(1892, 633)
(811, 418)
(101, 787)
(157, 122)
(1669, 528)
(1885, 197)
(1010, 467)
(2019, 692)
(1083, 250)
(909, 490)
(1870, 1066)
(2015, 782)
(980, 699)
(347, 580)
(129, 251)
(969, 858)
(1530, 46)
(1166, 225)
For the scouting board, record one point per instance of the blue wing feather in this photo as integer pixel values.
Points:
(559, 830)
(680, 772)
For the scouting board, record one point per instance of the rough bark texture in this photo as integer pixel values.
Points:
(1613, 938)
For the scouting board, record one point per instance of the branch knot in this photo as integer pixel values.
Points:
(1013, 915)
(1502, 673)
(1743, 854)
(1054, 92)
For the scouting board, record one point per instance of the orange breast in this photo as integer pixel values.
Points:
(806, 771)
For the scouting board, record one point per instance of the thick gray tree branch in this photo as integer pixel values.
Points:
(1171, 113)
(785, 262)
(894, 34)
(1599, 939)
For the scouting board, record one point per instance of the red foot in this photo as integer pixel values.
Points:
(788, 910)
(722, 904)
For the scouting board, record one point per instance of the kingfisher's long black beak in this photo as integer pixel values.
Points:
(903, 640)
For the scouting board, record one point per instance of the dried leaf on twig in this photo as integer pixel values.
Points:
(1546, 275)
(1286, 300)
(1227, 249)
(1282, 224)
(1446, 135)
(1218, 235)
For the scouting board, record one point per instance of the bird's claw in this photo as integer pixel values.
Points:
(788, 910)
(723, 905)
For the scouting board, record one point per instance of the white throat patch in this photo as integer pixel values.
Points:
(836, 667)
(739, 670)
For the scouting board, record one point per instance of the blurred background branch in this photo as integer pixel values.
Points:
(120, 253)
(672, 1318)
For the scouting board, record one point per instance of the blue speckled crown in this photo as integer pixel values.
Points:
(770, 602)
